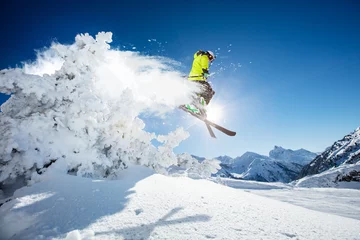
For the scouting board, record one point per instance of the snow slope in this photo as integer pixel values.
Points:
(339, 201)
(333, 177)
(153, 206)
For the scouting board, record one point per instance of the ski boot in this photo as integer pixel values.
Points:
(202, 107)
(192, 108)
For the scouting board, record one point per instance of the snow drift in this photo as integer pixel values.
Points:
(80, 104)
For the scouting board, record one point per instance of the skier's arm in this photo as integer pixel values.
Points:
(205, 64)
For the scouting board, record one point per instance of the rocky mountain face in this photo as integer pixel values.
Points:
(282, 165)
(344, 151)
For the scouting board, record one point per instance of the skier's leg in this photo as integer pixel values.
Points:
(204, 97)
(199, 100)
(207, 92)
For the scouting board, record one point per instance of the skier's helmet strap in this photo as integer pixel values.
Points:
(211, 55)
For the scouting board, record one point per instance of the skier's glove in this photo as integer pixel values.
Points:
(206, 75)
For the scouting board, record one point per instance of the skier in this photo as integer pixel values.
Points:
(199, 74)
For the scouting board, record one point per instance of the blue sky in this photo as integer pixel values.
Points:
(298, 84)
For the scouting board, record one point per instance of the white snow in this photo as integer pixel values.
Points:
(330, 177)
(47, 62)
(143, 205)
(340, 201)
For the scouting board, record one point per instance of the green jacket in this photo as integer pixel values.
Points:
(199, 67)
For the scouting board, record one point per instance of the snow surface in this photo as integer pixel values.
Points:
(340, 201)
(143, 205)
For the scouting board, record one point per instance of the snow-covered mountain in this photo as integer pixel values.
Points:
(282, 165)
(225, 160)
(253, 166)
(344, 151)
(300, 156)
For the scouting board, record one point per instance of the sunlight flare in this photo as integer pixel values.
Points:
(214, 113)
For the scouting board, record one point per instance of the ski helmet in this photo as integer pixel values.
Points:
(211, 55)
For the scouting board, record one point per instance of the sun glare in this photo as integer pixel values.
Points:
(214, 113)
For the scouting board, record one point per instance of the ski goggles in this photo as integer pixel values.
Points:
(211, 58)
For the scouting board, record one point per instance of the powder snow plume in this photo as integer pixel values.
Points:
(79, 105)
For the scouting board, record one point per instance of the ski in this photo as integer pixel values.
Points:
(203, 115)
(209, 123)
(212, 134)
(220, 128)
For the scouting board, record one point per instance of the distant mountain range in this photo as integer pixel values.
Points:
(339, 162)
(282, 165)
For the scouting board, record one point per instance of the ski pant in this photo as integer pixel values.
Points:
(207, 92)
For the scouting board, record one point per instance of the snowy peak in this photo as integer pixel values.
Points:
(242, 163)
(300, 156)
(225, 160)
(249, 156)
(344, 151)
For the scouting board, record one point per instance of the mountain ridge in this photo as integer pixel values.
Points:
(343, 151)
(282, 165)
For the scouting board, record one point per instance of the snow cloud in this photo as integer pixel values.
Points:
(47, 62)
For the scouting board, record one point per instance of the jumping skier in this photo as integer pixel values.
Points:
(199, 74)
